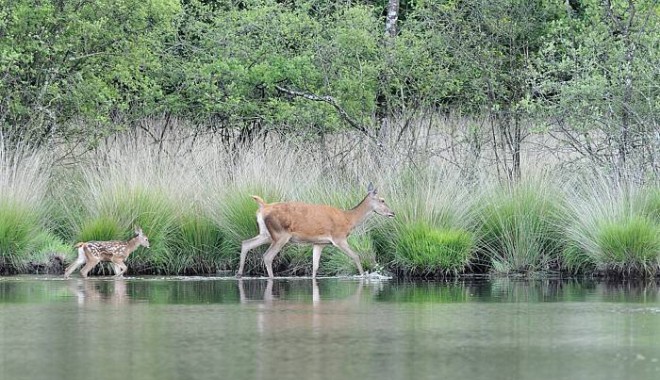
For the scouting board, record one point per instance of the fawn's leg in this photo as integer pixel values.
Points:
(80, 260)
(119, 267)
(91, 263)
(75, 265)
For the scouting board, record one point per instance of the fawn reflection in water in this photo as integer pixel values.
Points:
(112, 292)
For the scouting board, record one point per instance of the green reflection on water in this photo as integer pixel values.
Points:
(335, 328)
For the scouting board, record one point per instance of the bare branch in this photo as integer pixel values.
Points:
(333, 102)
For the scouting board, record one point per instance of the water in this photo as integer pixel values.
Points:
(210, 328)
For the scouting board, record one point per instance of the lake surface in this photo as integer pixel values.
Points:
(222, 328)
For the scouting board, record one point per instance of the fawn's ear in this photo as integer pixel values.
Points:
(138, 230)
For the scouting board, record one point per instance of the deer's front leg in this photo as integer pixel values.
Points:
(316, 258)
(343, 245)
(119, 267)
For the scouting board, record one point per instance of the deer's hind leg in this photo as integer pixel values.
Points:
(80, 260)
(272, 251)
(91, 263)
(316, 258)
(249, 244)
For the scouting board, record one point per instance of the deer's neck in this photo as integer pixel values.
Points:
(359, 213)
(132, 244)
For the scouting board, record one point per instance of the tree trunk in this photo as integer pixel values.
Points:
(392, 18)
(382, 106)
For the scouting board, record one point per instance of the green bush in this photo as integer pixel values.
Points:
(575, 259)
(615, 227)
(24, 241)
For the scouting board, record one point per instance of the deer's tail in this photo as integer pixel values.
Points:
(259, 201)
(81, 251)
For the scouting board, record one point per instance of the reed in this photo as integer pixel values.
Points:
(422, 249)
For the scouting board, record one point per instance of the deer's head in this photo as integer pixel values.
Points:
(377, 203)
(142, 238)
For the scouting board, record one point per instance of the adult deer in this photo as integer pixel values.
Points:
(93, 252)
(318, 225)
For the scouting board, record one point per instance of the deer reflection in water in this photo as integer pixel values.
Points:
(279, 311)
(112, 292)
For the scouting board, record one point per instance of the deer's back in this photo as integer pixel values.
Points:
(105, 250)
(305, 220)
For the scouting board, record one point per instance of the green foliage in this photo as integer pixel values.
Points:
(199, 240)
(606, 48)
(101, 228)
(61, 61)
(23, 239)
(630, 245)
(519, 229)
(575, 259)
(422, 249)
(614, 227)
(19, 226)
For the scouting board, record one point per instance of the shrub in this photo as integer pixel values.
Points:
(197, 242)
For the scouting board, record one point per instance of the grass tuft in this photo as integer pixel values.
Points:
(616, 227)
(519, 227)
(630, 246)
(426, 250)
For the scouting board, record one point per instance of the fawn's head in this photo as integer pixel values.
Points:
(142, 238)
(377, 203)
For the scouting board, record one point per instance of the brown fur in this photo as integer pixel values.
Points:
(319, 225)
(93, 252)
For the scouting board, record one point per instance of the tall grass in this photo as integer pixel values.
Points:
(25, 238)
(432, 232)
(614, 228)
(519, 228)
(193, 200)
(129, 186)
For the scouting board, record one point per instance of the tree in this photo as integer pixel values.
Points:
(89, 60)
(598, 78)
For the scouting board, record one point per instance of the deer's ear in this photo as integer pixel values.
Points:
(137, 230)
(371, 189)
